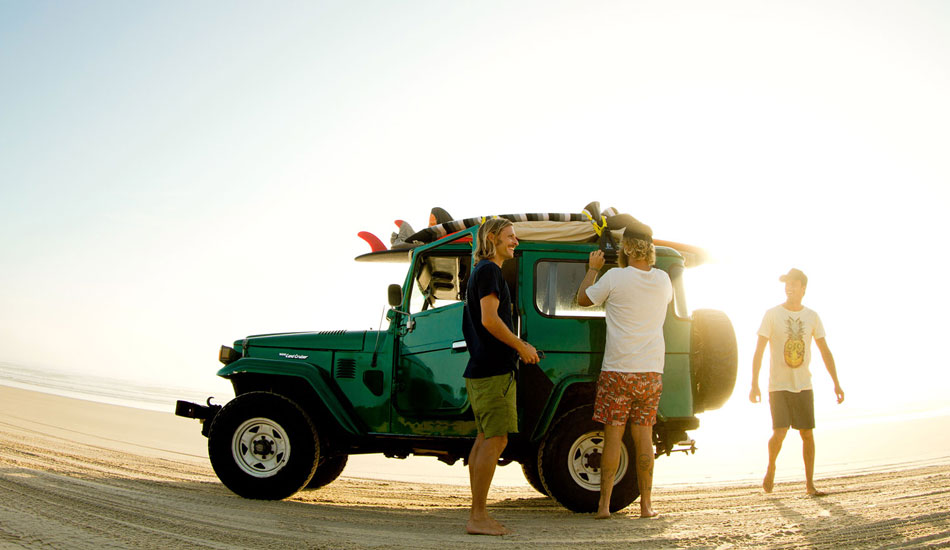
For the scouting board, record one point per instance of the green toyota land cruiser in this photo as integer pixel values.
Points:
(306, 401)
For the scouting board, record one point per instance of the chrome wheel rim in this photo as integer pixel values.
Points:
(584, 461)
(260, 447)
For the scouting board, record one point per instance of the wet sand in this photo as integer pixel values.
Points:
(78, 474)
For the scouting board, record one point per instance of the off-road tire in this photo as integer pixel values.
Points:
(569, 463)
(713, 359)
(327, 471)
(530, 469)
(263, 446)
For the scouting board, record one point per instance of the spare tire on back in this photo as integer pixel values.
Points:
(713, 359)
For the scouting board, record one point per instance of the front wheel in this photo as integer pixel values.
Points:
(569, 463)
(263, 446)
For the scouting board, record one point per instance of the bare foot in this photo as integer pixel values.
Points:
(769, 480)
(601, 514)
(813, 492)
(487, 526)
(649, 513)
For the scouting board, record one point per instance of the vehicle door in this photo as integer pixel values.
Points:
(429, 396)
(570, 336)
(573, 337)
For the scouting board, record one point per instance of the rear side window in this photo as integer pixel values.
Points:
(555, 289)
(556, 283)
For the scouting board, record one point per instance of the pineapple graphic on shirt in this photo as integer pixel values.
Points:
(795, 342)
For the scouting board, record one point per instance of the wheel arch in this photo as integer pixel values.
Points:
(569, 393)
(303, 383)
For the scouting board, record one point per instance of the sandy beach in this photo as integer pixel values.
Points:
(84, 475)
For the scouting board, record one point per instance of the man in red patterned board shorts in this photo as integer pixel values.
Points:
(636, 297)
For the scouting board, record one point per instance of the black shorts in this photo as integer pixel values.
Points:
(792, 409)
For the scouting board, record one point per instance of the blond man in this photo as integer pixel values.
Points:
(494, 350)
(628, 389)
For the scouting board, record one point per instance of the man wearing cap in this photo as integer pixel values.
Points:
(628, 389)
(788, 329)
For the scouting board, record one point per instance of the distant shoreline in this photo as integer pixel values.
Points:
(100, 389)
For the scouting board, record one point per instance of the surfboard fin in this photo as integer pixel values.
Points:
(399, 238)
(438, 216)
(372, 240)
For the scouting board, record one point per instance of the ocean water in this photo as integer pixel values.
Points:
(115, 391)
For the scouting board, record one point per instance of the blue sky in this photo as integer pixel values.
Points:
(177, 175)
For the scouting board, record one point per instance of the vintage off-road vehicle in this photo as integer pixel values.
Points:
(305, 401)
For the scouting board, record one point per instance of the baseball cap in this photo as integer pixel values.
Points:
(794, 275)
(638, 230)
(632, 227)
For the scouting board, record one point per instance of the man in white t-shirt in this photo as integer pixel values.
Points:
(628, 389)
(788, 329)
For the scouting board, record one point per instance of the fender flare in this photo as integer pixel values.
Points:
(554, 402)
(313, 375)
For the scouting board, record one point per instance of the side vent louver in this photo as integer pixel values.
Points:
(346, 368)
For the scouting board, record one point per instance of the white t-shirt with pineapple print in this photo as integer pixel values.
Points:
(790, 334)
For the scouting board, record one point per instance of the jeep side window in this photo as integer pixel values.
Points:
(439, 281)
(555, 289)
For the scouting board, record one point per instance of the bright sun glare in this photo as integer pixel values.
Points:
(164, 196)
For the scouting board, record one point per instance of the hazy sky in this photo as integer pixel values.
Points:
(177, 175)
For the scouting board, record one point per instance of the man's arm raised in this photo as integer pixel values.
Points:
(595, 263)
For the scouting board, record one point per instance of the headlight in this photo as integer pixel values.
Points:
(228, 355)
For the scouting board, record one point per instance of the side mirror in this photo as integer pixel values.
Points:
(395, 295)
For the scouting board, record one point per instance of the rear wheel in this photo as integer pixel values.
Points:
(530, 469)
(327, 471)
(569, 463)
(262, 445)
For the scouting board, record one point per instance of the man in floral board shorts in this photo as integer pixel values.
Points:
(628, 390)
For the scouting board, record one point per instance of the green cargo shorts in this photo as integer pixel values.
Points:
(493, 402)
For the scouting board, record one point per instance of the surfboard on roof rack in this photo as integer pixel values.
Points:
(589, 225)
(436, 232)
(440, 226)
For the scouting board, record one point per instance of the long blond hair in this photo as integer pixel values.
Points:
(485, 249)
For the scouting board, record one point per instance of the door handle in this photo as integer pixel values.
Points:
(459, 346)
